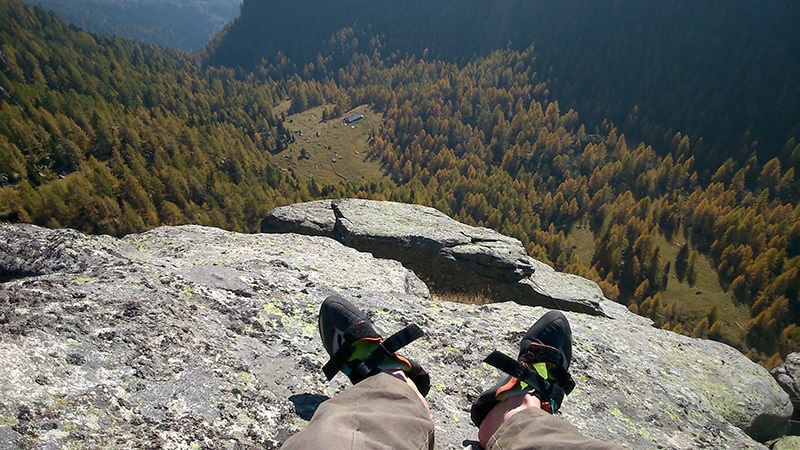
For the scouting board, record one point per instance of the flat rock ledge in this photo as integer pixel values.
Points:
(450, 256)
(194, 337)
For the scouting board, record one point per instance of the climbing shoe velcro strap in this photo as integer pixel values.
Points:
(518, 370)
(360, 369)
(330, 369)
(563, 379)
(356, 332)
(537, 353)
(392, 344)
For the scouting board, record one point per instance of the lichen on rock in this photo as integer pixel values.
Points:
(198, 337)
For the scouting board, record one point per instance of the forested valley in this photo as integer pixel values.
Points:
(180, 24)
(725, 71)
(110, 136)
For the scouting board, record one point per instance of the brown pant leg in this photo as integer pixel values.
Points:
(533, 429)
(381, 412)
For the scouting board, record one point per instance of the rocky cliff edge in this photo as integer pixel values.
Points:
(197, 337)
(449, 255)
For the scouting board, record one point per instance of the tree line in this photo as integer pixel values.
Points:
(110, 136)
(487, 144)
(721, 71)
(180, 24)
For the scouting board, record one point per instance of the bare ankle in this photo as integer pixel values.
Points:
(399, 374)
(504, 411)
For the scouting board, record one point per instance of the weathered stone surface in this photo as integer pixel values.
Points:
(192, 336)
(786, 443)
(58, 255)
(431, 239)
(314, 219)
(788, 376)
(448, 255)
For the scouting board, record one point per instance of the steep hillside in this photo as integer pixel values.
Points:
(723, 71)
(111, 136)
(486, 144)
(181, 24)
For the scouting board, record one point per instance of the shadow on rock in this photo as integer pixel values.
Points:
(305, 405)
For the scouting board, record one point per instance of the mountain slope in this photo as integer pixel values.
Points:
(724, 71)
(111, 136)
(181, 24)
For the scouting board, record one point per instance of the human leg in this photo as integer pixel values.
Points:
(380, 412)
(519, 423)
(386, 407)
(517, 413)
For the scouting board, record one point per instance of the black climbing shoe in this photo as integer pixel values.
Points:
(548, 341)
(358, 351)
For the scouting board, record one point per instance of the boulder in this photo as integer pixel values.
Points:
(786, 443)
(313, 219)
(450, 256)
(188, 336)
(788, 377)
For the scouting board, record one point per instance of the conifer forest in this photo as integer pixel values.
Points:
(657, 159)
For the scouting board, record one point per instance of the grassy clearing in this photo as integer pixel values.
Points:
(707, 292)
(335, 152)
(584, 244)
(469, 298)
(694, 301)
